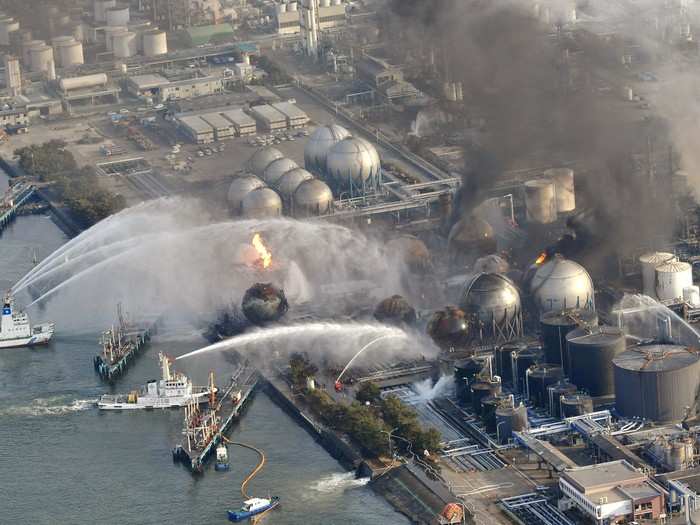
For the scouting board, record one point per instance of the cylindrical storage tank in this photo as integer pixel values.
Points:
(521, 361)
(320, 142)
(510, 419)
(282, 7)
(312, 198)
(155, 43)
(540, 201)
(41, 58)
(7, 27)
(671, 279)
(325, 3)
(691, 295)
(274, 171)
(71, 54)
(110, 32)
(78, 31)
(288, 183)
(503, 362)
(493, 298)
(649, 262)
(538, 379)
(352, 161)
(261, 203)
(573, 405)
(465, 371)
(591, 352)
(117, 16)
(262, 158)
(337, 2)
(559, 284)
(86, 81)
(565, 195)
(293, 6)
(489, 405)
(239, 188)
(481, 390)
(657, 382)
(555, 392)
(26, 46)
(555, 325)
(100, 9)
(124, 44)
(62, 40)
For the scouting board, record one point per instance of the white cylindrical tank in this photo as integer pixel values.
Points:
(540, 201)
(62, 40)
(325, 3)
(649, 262)
(26, 46)
(691, 295)
(117, 16)
(78, 31)
(40, 56)
(563, 179)
(7, 27)
(671, 279)
(337, 2)
(282, 8)
(292, 6)
(71, 55)
(109, 35)
(155, 43)
(124, 45)
(100, 9)
(561, 283)
(98, 79)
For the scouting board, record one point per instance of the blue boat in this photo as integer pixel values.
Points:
(221, 458)
(251, 507)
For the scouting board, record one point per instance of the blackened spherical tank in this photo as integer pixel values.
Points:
(538, 379)
(449, 328)
(395, 310)
(510, 419)
(521, 361)
(555, 393)
(481, 390)
(577, 404)
(494, 302)
(657, 382)
(555, 325)
(469, 239)
(465, 371)
(413, 252)
(591, 352)
(264, 303)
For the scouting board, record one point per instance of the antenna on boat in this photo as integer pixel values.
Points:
(212, 390)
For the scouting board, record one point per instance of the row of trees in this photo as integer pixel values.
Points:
(78, 188)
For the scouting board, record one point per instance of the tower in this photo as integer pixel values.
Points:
(309, 26)
(13, 77)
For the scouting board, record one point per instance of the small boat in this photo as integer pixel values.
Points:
(221, 458)
(16, 329)
(253, 506)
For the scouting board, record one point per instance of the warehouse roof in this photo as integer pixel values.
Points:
(268, 113)
(196, 124)
(603, 476)
(203, 34)
(148, 81)
(216, 120)
(239, 117)
(290, 110)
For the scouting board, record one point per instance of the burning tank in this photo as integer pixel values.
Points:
(264, 303)
(470, 239)
(395, 310)
(449, 328)
(413, 251)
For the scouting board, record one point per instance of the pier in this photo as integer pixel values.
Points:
(12, 201)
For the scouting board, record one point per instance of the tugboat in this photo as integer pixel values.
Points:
(253, 506)
(221, 458)
(173, 390)
(16, 329)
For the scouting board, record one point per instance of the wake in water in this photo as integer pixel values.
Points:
(52, 406)
(339, 482)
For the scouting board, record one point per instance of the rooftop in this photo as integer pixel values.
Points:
(196, 123)
(290, 110)
(238, 117)
(204, 34)
(216, 120)
(268, 112)
(603, 476)
(148, 81)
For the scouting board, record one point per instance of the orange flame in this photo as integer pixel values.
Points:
(542, 258)
(263, 252)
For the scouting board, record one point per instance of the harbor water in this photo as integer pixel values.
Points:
(62, 461)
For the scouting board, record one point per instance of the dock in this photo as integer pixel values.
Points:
(228, 407)
(12, 201)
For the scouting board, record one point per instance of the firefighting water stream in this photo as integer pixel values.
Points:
(81, 455)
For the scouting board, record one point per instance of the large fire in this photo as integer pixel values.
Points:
(542, 258)
(264, 255)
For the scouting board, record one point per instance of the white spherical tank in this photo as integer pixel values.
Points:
(352, 160)
(649, 262)
(110, 32)
(262, 158)
(288, 183)
(671, 279)
(563, 179)
(312, 198)
(124, 45)
(560, 283)
(540, 201)
(261, 203)
(278, 167)
(239, 188)
(71, 55)
(117, 16)
(41, 57)
(155, 43)
(320, 142)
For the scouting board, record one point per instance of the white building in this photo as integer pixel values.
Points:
(13, 77)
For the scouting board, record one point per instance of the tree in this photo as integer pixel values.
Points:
(301, 368)
(368, 393)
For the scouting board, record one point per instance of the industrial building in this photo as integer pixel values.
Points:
(13, 77)
(386, 78)
(196, 129)
(223, 128)
(13, 117)
(296, 117)
(242, 122)
(612, 492)
(287, 21)
(87, 89)
(269, 118)
(162, 89)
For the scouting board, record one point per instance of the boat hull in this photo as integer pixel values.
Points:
(240, 515)
(35, 340)
(157, 404)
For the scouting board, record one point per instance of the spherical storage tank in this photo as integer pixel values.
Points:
(124, 44)
(320, 142)
(239, 188)
(540, 201)
(155, 42)
(395, 310)
(649, 262)
(264, 303)
(656, 382)
(312, 198)
(591, 352)
(275, 169)
(261, 203)
(352, 161)
(555, 325)
(469, 239)
(671, 279)
(117, 16)
(565, 196)
(262, 158)
(560, 283)
(449, 328)
(288, 183)
(495, 301)
(412, 251)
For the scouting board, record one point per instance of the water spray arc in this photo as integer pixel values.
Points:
(367, 346)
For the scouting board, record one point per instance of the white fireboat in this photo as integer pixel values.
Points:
(16, 329)
(172, 391)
